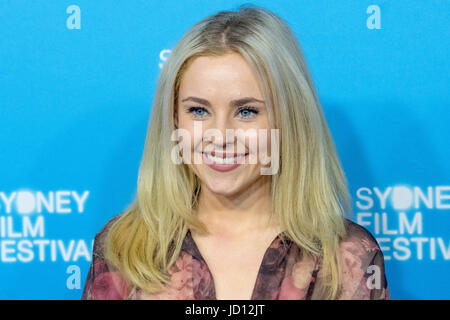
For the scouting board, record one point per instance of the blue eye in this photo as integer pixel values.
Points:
(248, 112)
(197, 111)
(244, 112)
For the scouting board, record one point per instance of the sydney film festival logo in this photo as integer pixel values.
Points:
(404, 219)
(24, 218)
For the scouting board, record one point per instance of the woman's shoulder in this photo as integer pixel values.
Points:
(359, 245)
(100, 237)
(363, 270)
(104, 281)
(359, 237)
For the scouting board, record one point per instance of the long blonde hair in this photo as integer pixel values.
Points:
(309, 191)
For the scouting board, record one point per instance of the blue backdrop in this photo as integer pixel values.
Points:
(76, 84)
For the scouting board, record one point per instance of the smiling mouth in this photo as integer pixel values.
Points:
(224, 158)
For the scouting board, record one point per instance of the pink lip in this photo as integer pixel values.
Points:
(219, 166)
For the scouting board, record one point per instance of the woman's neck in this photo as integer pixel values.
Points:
(246, 211)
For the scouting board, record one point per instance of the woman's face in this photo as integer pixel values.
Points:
(216, 94)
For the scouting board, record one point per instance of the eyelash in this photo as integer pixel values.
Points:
(254, 110)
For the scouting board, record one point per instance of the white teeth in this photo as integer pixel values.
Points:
(223, 160)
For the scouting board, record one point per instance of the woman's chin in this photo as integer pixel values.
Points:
(224, 189)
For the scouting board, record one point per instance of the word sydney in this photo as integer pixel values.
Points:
(27, 201)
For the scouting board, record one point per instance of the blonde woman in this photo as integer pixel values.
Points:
(225, 223)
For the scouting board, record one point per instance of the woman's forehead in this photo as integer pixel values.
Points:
(225, 77)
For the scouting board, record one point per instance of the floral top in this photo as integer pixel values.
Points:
(284, 274)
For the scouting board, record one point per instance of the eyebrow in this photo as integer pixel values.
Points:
(233, 103)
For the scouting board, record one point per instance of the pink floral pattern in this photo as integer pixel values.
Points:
(286, 272)
(104, 283)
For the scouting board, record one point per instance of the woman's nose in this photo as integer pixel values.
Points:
(223, 131)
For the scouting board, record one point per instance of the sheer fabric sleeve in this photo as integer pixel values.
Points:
(92, 273)
(363, 270)
(103, 282)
